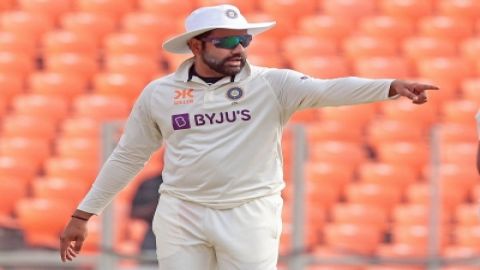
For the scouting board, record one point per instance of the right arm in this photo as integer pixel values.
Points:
(140, 139)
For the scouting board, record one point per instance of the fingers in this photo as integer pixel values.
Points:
(421, 98)
(78, 245)
(422, 87)
(64, 244)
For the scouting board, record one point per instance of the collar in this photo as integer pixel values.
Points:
(183, 73)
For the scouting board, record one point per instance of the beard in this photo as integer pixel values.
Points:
(220, 65)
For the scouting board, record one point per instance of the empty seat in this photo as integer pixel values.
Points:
(362, 46)
(381, 131)
(28, 126)
(149, 25)
(112, 8)
(88, 23)
(352, 238)
(49, 8)
(393, 267)
(58, 84)
(459, 153)
(419, 235)
(47, 107)
(460, 111)
(356, 116)
(468, 236)
(131, 43)
(401, 251)
(373, 194)
(117, 84)
(338, 152)
(457, 133)
(413, 155)
(445, 68)
(12, 190)
(26, 23)
(419, 193)
(289, 10)
(404, 110)
(296, 46)
(466, 214)
(11, 86)
(17, 169)
(410, 9)
(411, 214)
(245, 6)
(79, 148)
(469, 48)
(81, 127)
(422, 47)
(66, 41)
(323, 174)
(19, 43)
(326, 26)
(350, 9)
(382, 67)
(71, 168)
(323, 67)
(460, 252)
(66, 190)
(461, 177)
(386, 27)
(101, 107)
(332, 131)
(284, 27)
(171, 8)
(14, 64)
(395, 175)
(355, 213)
(446, 27)
(70, 63)
(462, 9)
(35, 151)
(137, 65)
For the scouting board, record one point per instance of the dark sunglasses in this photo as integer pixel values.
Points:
(229, 42)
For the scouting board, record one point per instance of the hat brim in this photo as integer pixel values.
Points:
(178, 44)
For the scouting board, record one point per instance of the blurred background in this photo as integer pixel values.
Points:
(385, 186)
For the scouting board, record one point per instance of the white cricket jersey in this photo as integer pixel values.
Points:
(223, 141)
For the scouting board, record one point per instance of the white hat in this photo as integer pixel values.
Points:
(208, 18)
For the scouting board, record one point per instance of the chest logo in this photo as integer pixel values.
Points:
(235, 93)
(183, 96)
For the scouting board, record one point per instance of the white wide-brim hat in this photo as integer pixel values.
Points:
(208, 18)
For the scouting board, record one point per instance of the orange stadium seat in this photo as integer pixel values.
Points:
(49, 8)
(112, 8)
(446, 27)
(326, 26)
(150, 25)
(70, 63)
(38, 230)
(69, 192)
(383, 130)
(31, 150)
(364, 46)
(66, 41)
(57, 84)
(393, 267)
(7, 4)
(79, 148)
(18, 43)
(16, 168)
(352, 238)
(463, 9)
(468, 236)
(401, 251)
(405, 110)
(415, 214)
(12, 190)
(101, 107)
(460, 252)
(413, 155)
(456, 133)
(323, 174)
(80, 128)
(419, 235)
(382, 67)
(332, 131)
(289, 10)
(71, 168)
(26, 23)
(264, 45)
(466, 214)
(385, 26)
(170, 8)
(460, 111)
(131, 43)
(333, 267)
(459, 153)
(246, 6)
(47, 107)
(460, 267)
(338, 152)
(11, 86)
(355, 213)
(134, 65)
(322, 67)
(462, 177)
(423, 47)
(296, 46)
(3, 107)
(380, 195)
(355, 9)
(410, 9)
(356, 116)
(395, 175)
(28, 126)
(469, 89)
(13, 64)
(454, 69)
(118, 84)
(419, 193)
(89, 23)
(282, 29)
(469, 48)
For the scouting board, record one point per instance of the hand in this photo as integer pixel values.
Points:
(413, 91)
(72, 238)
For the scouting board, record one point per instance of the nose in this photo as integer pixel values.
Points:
(238, 49)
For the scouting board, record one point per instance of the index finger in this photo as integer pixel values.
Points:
(423, 87)
(64, 244)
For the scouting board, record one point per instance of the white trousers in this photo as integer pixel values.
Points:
(194, 237)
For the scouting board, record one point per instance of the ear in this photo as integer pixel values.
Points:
(195, 46)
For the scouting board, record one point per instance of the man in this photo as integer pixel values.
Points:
(221, 120)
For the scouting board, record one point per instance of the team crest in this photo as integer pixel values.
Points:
(235, 93)
(232, 14)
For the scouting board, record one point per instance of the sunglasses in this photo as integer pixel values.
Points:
(229, 42)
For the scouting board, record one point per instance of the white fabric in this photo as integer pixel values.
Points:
(231, 154)
(194, 237)
(208, 18)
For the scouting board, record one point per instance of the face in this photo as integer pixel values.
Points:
(220, 61)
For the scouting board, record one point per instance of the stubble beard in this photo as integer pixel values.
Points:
(220, 65)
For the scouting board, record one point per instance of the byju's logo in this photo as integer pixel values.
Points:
(181, 121)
